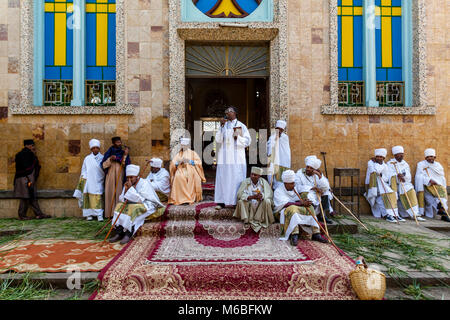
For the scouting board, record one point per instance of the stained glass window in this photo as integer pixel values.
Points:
(227, 8)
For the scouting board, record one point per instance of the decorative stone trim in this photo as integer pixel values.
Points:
(420, 89)
(274, 32)
(26, 107)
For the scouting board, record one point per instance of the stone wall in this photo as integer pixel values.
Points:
(349, 140)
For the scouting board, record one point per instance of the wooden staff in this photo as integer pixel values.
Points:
(320, 226)
(406, 194)
(121, 210)
(321, 208)
(389, 200)
(435, 190)
(354, 216)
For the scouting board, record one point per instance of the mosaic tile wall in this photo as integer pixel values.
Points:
(349, 140)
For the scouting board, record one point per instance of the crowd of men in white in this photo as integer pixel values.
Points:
(292, 198)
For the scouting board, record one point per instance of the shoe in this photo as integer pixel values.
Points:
(99, 218)
(390, 219)
(294, 240)
(318, 237)
(326, 219)
(420, 219)
(118, 236)
(126, 238)
(89, 218)
(43, 216)
(400, 219)
(25, 218)
(445, 218)
(441, 213)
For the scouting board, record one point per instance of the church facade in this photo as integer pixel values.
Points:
(348, 76)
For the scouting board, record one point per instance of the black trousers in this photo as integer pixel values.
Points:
(25, 203)
(325, 203)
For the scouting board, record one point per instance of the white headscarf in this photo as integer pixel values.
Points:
(313, 162)
(156, 162)
(94, 143)
(430, 153)
(185, 141)
(397, 149)
(381, 152)
(288, 176)
(280, 124)
(133, 170)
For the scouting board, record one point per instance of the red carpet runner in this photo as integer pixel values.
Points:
(196, 252)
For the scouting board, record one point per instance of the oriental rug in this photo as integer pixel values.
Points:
(56, 255)
(196, 252)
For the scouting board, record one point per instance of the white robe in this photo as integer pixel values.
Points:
(436, 173)
(143, 193)
(373, 195)
(282, 150)
(95, 177)
(231, 162)
(160, 181)
(280, 197)
(305, 183)
(403, 168)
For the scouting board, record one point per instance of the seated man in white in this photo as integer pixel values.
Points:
(382, 199)
(431, 186)
(137, 201)
(294, 213)
(159, 178)
(313, 185)
(401, 183)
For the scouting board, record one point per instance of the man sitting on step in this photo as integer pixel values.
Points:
(294, 213)
(254, 201)
(431, 186)
(313, 185)
(382, 199)
(400, 182)
(137, 201)
(159, 178)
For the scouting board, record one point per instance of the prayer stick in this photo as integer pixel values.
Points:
(121, 210)
(435, 190)
(320, 226)
(406, 194)
(389, 200)
(354, 216)
(321, 208)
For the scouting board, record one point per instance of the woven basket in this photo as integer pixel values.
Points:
(368, 284)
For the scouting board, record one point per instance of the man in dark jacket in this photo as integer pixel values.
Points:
(27, 172)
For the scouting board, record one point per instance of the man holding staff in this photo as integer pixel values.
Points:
(294, 213)
(138, 200)
(114, 163)
(279, 153)
(431, 186)
(382, 199)
(401, 183)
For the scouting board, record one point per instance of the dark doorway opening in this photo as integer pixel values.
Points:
(206, 101)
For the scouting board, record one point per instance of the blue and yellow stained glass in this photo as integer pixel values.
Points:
(227, 8)
(58, 40)
(388, 39)
(350, 40)
(100, 39)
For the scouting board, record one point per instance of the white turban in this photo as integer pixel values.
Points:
(397, 149)
(313, 162)
(156, 162)
(257, 171)
(381, 152)
(94, 143)
(185, 141)
(288, 176)
(430, 153)
(280, 124)
(132, 170)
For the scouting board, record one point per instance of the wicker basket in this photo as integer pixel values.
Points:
(368, 284)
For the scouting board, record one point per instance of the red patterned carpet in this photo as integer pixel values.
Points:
(56, 255)
(196, 252)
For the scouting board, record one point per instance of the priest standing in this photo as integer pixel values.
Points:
(233, 137)
(279, 153)
(114, 163)
(187, 175)
(255, 199)
(89, 191)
